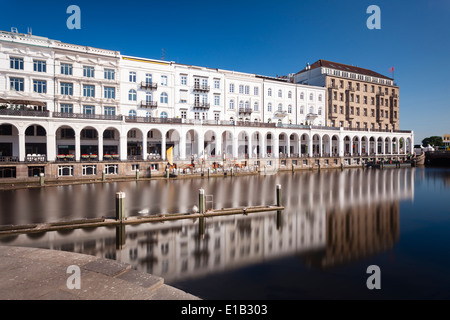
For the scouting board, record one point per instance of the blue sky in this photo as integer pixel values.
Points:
(270, 38)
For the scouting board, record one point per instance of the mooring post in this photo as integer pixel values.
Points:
(41, 179)
(342, 166)
(120, 205)
(137, 174)
(103, 175)
(231, 169)
(201, 200)
(208, 172)
(201, 227)
(167, 173)
(292, 168)
(278, 195)
(319, 167)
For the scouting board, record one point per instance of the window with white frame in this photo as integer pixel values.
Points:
(132, 95)
(66, 108)
(289, 109)
(40, 86)
(110, 93)
(164, 80)
(110, 74)
(256, 106)
(132, 113)
(132, 76)
(216, 84)
(241, 88)
(16, 63)
(231, 87)
(88, 109)
(247, 90)
(110, 111)
(280, 94)
(39, 66)
(216, 100)
(66, 89)
(111, 169)
(66, 69)
(65, 171)
(183, 80)
(231, 104)
(290, 94)
(89, 170)
(16, 84)
(164, 115)
(88, 90)
(256, 91)
(164, 98)
(269, 92)
(269, 107)
(88, 71)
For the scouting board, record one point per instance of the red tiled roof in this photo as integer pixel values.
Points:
(345, 67)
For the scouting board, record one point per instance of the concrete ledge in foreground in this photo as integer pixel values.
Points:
(41, 274)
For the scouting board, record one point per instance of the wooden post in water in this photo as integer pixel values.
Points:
(279, 201)
(201, 200)
(201, 227)
(41, 179)
(120, 206)
(279, 195)
(120, 236)
(137, 174)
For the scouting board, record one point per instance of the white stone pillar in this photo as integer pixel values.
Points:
(77, 146)
(163, 146)
(100, 146)
(123, 144)
(144, 146)
(22, 154)
(51, 147)
(182, 146)
(310, 145)
(276, 146)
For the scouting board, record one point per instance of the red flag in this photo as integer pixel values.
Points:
(392, 69)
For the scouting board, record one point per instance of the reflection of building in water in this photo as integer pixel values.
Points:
(338, 216)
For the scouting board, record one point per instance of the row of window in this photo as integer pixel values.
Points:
(355, 76)
(356, 98)
(66, 68)
(358, 87)
(364, 125)
(351, 111)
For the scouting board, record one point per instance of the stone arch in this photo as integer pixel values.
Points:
(9, 140)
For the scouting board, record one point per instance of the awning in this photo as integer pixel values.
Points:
(3, 101)
(28, 102)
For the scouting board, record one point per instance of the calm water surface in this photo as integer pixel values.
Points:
(336, 224)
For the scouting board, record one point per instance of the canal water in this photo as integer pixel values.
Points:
(335, 227)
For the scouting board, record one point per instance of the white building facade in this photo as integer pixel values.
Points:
(60, 100)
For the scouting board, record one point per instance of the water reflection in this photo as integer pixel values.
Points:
(330, 218)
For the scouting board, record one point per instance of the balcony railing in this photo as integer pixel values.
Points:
(149, 85)
(201, 105)
(281, 113)
(24, 113)
(200, 87)
(152, 119)
(245, 110)
(149, 104)
(86, 116)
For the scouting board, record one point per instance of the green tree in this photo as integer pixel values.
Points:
(433, 141)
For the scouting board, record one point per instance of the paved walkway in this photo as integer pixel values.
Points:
(41, 274)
